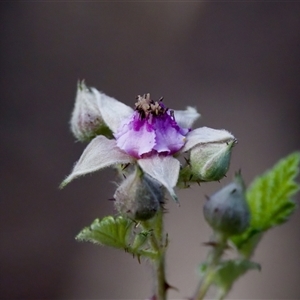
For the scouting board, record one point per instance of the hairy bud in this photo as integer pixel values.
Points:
(210, 162)
(86, 121)
(227, 211)
(139, 196)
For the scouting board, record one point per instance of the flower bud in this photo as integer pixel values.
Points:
(210, 162)
(139, 196)
(227, 211)
(86, 121)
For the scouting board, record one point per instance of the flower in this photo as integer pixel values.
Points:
(154, 127)
(151, 137)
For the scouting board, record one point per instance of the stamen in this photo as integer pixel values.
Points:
(145, 106)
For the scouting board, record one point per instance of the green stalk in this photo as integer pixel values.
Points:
(213, 259)
(158, 244)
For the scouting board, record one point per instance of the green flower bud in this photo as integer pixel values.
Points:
(86, 121)
(139, 196)
(210, 162)
(227, 211)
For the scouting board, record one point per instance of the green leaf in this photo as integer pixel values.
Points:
(117, 232)
(140, 240)
(269, 199)
(144, 253)
(109, 231)
(247, 242)
(269, 196)
(229, 271)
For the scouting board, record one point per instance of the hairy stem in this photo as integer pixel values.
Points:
(213, 259)
(161, 286)
(157, 242)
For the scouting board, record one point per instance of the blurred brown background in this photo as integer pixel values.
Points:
(237, 62)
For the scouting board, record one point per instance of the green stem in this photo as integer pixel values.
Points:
(158, 244)
(221, 294)
(161, 287)
(212, 262)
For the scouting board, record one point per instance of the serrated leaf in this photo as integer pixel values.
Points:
(269, 199)
(140, 240)
(269, 196)
(230, 270)
(109, 231)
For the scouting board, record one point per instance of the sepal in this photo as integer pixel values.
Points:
(139, 197)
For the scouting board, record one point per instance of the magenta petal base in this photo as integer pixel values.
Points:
(141, 137)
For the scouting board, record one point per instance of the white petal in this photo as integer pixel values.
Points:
(206, 135)
(99, 153)
(164, 169)
(113, 111)
(186, 118)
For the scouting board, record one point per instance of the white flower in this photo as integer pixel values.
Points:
(151, 136)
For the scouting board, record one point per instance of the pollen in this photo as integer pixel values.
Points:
(146, 106)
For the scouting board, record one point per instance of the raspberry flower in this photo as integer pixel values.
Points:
(151, 137)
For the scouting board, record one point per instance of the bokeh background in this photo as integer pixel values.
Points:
(237, 62)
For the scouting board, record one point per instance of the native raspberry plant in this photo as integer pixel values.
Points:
(155, 150)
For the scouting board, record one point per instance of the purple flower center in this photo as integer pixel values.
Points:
(151, 129)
